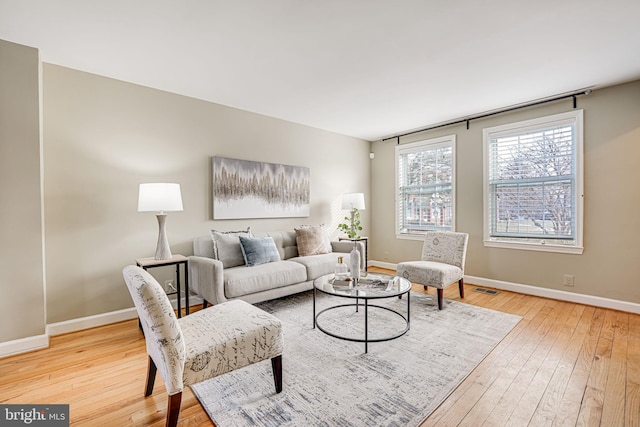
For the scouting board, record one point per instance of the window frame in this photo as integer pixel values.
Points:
(517, 128)
(422, 145)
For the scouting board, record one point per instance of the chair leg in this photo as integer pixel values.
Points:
(205, 304)
(151, 377)
(173, 409)
(276, 365)
(440, 292)
(461, 287)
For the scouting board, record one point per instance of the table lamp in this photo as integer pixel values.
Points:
(161, 198)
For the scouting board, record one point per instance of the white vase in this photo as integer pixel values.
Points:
(354, 262)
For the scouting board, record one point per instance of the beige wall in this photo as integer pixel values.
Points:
(608, 266)
(103, 137)
(22, 306)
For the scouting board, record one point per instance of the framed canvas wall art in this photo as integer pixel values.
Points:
(248, 189)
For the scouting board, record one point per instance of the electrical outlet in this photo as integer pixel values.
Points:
(169, 286)
(569, 280)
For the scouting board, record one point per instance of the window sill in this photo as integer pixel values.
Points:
(410, 236)
(546, 247)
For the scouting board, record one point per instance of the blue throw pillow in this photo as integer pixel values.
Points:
(258, 250)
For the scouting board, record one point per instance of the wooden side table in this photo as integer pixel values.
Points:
(366, 249)
(177, 260)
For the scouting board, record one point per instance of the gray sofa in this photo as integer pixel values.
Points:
(292, 274)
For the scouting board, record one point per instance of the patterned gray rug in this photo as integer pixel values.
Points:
(332, 382)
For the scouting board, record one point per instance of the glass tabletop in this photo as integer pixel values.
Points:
(370, 286)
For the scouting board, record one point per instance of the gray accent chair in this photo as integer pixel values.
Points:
(442, 263)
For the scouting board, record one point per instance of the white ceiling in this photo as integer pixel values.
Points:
(366, 68)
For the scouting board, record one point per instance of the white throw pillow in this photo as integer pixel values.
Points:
(226, 247)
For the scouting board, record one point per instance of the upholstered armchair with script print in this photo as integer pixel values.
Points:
(202, 345)
(442, 263)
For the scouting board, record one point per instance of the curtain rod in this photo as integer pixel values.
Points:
(493, 113)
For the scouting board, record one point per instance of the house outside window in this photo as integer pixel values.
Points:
(533, 184)
(425, 182)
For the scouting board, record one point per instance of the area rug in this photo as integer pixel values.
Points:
(332, 382)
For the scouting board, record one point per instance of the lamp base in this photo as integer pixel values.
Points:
(353, 222)
(162, 248)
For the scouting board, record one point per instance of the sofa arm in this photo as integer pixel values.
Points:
(346, 246)
(206, 279)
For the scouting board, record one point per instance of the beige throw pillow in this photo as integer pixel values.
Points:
(311, 240)
(325, 234)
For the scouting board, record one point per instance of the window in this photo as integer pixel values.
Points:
(533, 184)
(425, 173)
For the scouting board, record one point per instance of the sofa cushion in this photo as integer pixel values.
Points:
(319, 265)
(226, 247)
(258, 250)
(239, 281)
(311, 241)
(429, 273)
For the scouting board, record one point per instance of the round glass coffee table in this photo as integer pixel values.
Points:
(373, 286)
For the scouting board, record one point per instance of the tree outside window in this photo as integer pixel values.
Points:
(533, 182)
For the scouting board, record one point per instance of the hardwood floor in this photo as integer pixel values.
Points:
(564, 364)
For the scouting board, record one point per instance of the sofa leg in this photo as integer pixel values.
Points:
(426, 288)
(173, 409)
(205, 304)
(440, 294)
(151, 377)
(461, 287)
(276, 365)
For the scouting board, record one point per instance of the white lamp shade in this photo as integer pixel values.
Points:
(159, 197)
(353, 201)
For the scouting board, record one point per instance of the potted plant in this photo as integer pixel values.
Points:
(351, 225)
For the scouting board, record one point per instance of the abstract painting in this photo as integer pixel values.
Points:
(247, 189)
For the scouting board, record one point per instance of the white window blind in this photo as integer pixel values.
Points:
(425, 182)
(533, 181)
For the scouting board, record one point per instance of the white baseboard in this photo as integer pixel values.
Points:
(23, 345)
(102, 319)
(39, 342)
(382, 264)
(596, 301)
(593, 300)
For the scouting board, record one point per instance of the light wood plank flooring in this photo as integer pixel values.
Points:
(564, 364)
